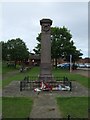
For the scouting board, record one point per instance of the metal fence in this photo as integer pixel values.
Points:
(31, 82)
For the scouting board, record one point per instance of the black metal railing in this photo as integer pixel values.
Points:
(31, 82)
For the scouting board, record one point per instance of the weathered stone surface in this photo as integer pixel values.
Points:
(46, 69)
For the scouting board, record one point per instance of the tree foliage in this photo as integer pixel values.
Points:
(62, 45)
(37, 49)
(14, 50)
(4, 50)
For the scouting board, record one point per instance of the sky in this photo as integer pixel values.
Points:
(22, 20)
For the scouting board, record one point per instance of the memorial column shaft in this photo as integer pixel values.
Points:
(45, 48)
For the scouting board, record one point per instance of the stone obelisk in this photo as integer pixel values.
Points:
(45, 67)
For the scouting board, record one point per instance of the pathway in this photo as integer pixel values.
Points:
(45, 106)
(10, 74)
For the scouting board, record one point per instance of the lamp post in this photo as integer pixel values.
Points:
(70, 63)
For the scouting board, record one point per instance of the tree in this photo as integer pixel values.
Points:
(16, 50)
(3, 50)
(37, 49)
(62, 45)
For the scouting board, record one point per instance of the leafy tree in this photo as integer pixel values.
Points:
(4, 50)
(37, 49)
(16, 50)
(62, 44)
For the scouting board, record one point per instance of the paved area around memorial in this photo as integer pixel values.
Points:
(13, 90)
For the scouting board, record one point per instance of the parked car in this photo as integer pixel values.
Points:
(60, 65)
(87, 65)
(67, 65)
(81, 65)
(63, 65)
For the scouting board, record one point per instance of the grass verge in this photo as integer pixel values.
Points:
(16, 107)
(76, 107)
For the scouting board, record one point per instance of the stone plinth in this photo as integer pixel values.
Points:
(45, 68)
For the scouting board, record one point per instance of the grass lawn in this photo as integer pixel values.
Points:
(0, 105)
(56, 72)
(76, 107)
(71, 76)
(16, 107)
(0, 67)
(6, 69)
(20, 76)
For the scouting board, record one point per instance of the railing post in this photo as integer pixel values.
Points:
(20, 85)
(70, 86)
(68, 117)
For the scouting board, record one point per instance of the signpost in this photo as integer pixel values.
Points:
(70, 63)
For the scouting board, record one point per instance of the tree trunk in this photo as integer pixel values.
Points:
(55, 62)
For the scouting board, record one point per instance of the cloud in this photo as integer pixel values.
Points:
(23, 20)
(44, 1)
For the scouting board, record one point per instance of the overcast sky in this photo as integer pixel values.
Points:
(22, 20)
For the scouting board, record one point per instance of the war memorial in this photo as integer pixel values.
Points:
(46, 78)
(45, 87)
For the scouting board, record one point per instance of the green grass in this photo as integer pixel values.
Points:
(56, 72)
(71, 76)
(34, 71)
(0, 67)
(16, 107)
(0, 105)
(76, 107)
(20, 76)
(6, 69)
(9, 79)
